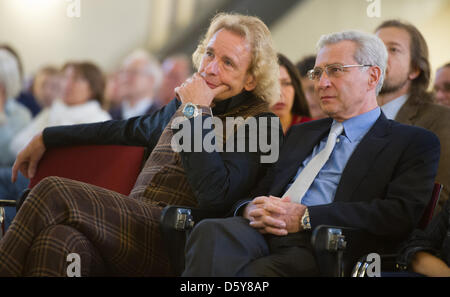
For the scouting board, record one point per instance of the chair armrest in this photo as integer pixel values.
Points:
(329, 244)
(5, 203)
(338, 248)
(175, 221)
(175, 224)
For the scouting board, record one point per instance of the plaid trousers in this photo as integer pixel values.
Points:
(113, 234)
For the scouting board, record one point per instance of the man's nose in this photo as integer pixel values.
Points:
(282, 97)
(324, 81)
(212, 67)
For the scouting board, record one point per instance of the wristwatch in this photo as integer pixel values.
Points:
(191, 110)
(305, 222)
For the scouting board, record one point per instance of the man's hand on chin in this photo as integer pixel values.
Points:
(195, 90)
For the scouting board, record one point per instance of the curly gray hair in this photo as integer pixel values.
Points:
(264, 65)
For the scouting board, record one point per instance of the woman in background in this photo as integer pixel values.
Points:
(82, 85)
(292, 107)
(427, 252)
(82, 92)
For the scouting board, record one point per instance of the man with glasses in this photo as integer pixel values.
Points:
(355, 169)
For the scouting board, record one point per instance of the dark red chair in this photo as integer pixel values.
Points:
(429, 210)
(114, 167)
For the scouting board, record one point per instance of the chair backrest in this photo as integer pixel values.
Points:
(114, 167)
(429, 210)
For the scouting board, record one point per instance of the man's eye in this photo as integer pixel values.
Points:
(317, 73)
(228, 63)
(335, 69)
(393, 49)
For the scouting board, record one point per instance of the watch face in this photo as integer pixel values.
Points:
(189, 111)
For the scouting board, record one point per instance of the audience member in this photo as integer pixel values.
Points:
(313, 100)
(13, 116)
(383, 190)
(138, 82)
(119, 235)
(428, 252)
(46, 86)
(82, 92)
(24, 97)
(292, 107)
(404, 95)
(176, 69)
(112, 99)
(442, 85)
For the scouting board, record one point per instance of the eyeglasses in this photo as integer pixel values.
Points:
(333, 70)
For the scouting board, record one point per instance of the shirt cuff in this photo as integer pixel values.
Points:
(240, 208)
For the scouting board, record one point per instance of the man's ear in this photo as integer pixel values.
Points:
(414, 73)
(250, 83)
(374, 77)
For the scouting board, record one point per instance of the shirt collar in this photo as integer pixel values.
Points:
(356, 127)
(138, 109)
(391, 108)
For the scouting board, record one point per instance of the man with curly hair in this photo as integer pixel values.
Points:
(237, 76)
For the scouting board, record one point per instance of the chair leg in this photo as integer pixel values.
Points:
(2, 222)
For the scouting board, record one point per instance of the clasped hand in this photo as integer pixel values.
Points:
(274, 215)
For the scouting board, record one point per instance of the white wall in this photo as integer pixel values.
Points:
(107, 30)
(43, 33)
(296, 35)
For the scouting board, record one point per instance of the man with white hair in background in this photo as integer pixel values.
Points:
(355, 169)
(13, 116)
(176, 69)
(138, 82)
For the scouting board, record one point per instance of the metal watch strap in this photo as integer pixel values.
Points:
(204, 109)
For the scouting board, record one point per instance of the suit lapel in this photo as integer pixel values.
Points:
(362, 159)
(408, 112)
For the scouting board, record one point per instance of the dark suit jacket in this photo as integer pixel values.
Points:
(385, 185)
(217, 178)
